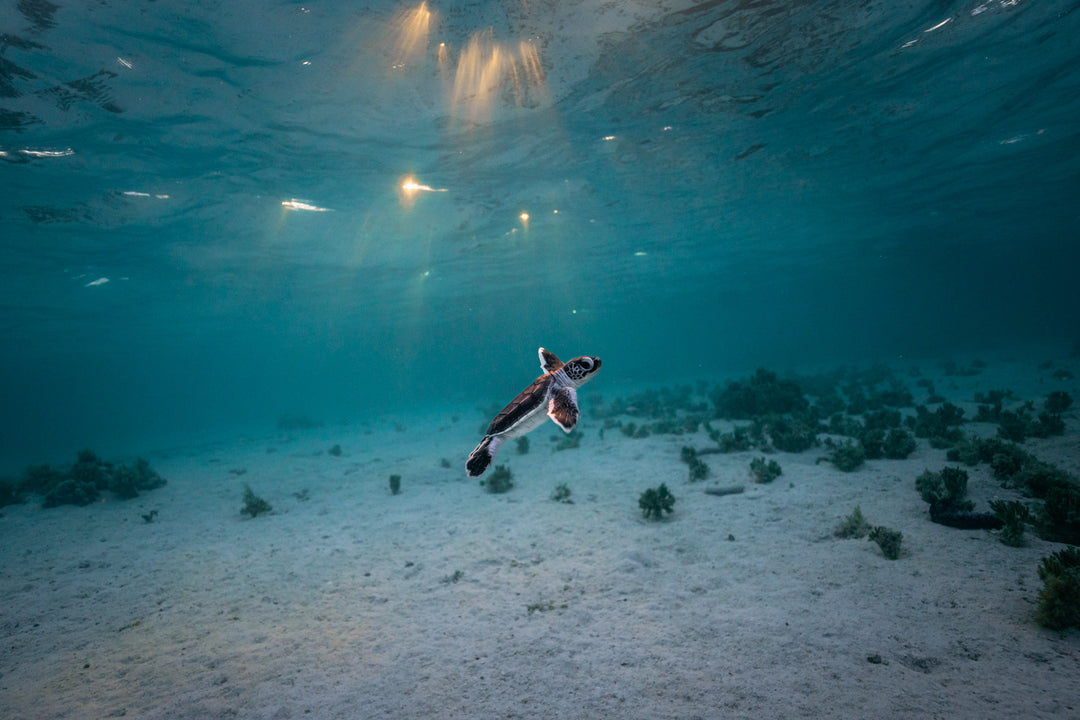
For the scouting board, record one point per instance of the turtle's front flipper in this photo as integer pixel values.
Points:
(481, 457)
(563, 409)
(549, 363)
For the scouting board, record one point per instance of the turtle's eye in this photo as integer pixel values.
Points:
(587, 362)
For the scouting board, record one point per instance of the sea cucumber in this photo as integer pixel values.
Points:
(733, 490)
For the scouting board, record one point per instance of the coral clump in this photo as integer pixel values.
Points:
(253, 504)
(735, 441)
(947, 486)
(765, 471)
(762, 394)
(1057, 402)
(847, 457)
(888, 540)
(789, 433)
(945, 491)
(654, 502)
(562, 494)
(941, 427)
(697, 469)
(853, 526)
(500, 480)
(1062, 515)
(71, 492)
(84, 480)
(1020, 424)
(898, 444)
(1013, 514)
(569, 441)
(9, 493)
(1059, 600)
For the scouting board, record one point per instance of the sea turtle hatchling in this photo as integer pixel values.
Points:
(552, 395)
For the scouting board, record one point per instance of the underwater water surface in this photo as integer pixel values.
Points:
(216, 213)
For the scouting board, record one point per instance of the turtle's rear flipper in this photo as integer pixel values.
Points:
(481, 457)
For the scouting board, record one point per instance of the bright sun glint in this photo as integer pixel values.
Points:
(302, 205)
(409, 189)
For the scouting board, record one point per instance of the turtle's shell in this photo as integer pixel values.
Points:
(526, 405)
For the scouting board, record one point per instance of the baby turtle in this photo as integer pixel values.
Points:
(553, 394)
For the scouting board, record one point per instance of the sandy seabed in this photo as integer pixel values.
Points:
(448, 602)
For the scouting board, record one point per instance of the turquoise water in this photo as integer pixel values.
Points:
(207, 223)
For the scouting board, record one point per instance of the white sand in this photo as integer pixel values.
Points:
(341, 606)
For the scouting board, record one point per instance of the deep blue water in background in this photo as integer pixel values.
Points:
(711, 187)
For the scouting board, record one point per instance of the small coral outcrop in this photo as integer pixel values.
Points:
(853, 526)
(847, 456)
(654, 502)
(1013, 515)
(765, 471)
(941, 427)
(9, 493)
(1059, 600)
(945, 491)
(947, 486)
(763, 393)
(569, 441)
(898, 445)
(697, 469)
(253, 504)
(500, 480)
(562, 494)
(888, 540)
(84, 481)
(1057, 402)
(71, 492)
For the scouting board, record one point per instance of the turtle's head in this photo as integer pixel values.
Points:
(581, 369)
